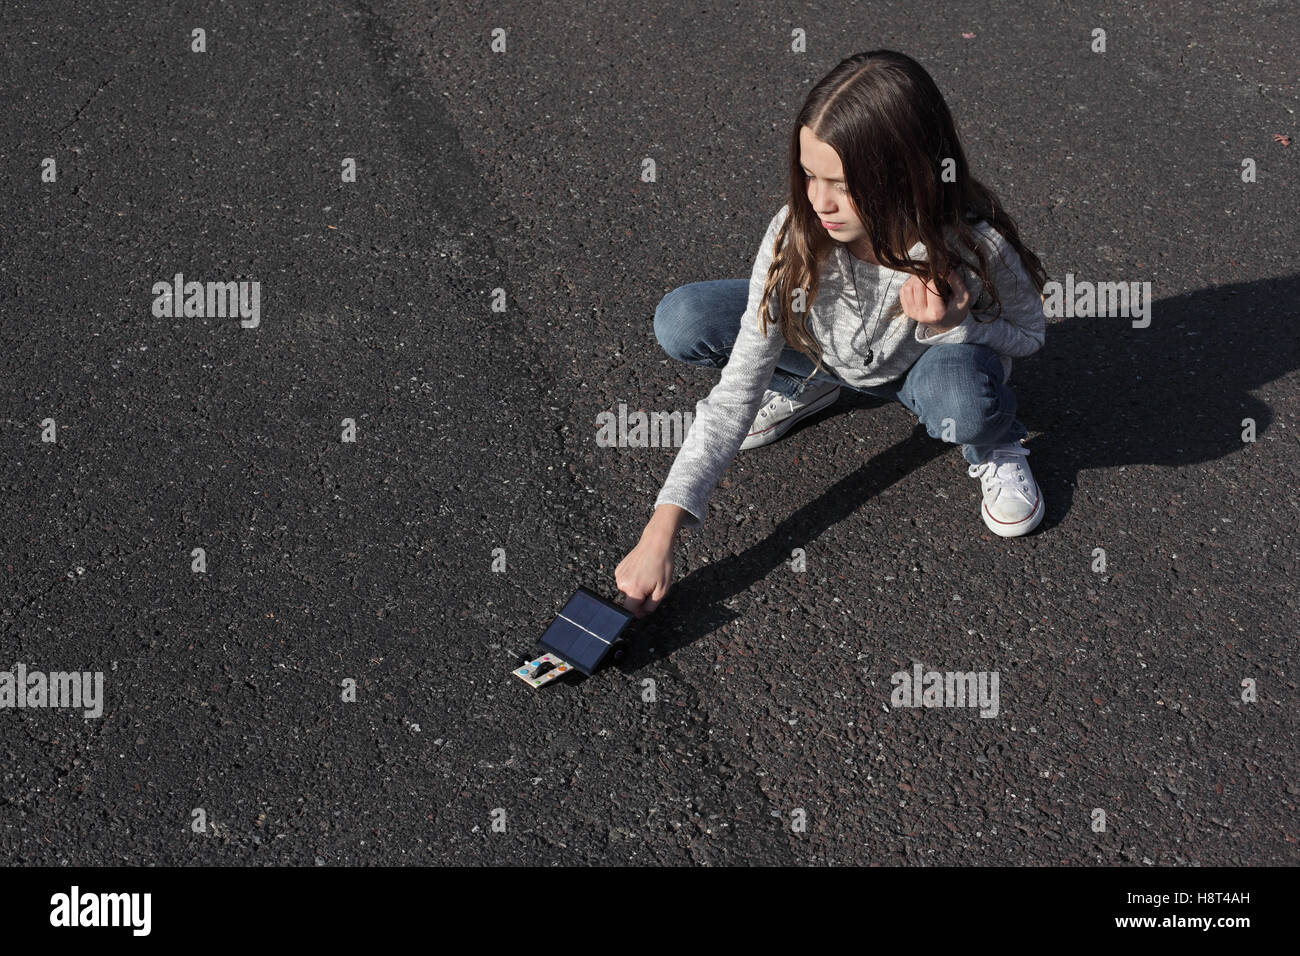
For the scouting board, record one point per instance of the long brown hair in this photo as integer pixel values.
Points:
(885, 117)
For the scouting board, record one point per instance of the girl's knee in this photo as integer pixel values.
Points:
(677, 323)
(961, 396)
(952, 372)
(963, 360)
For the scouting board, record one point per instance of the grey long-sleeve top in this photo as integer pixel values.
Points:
(860, 351)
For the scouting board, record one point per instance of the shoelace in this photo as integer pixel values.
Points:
(769, 403)
(770, 399)
(991, 472)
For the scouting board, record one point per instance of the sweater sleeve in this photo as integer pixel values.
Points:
(1020, 328)
(723, 418)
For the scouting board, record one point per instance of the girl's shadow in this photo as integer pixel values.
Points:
(1104, 394)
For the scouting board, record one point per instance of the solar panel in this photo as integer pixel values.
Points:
(596, 614)
(584, 630)
(569, 642)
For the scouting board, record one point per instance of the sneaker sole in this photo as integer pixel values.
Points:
(773, 432)
(1014, 529)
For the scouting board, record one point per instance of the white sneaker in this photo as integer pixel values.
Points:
(1013, 504)
(777, 413)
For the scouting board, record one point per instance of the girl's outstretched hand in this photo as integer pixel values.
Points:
(645, 575)
(921, 302)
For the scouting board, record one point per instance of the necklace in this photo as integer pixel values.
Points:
(884, 300)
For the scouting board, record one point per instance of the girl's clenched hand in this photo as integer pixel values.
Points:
(645, 575)
(921, 302)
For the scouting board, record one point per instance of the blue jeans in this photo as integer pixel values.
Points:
(961, 383)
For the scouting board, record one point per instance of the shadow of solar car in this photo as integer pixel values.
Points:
(587, 633)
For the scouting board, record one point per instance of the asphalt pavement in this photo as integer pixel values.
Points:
(334, 686)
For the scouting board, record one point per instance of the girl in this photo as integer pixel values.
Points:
(875, 169)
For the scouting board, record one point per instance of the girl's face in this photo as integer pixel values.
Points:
(827, 191)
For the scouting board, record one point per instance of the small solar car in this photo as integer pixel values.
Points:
(586, 633)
